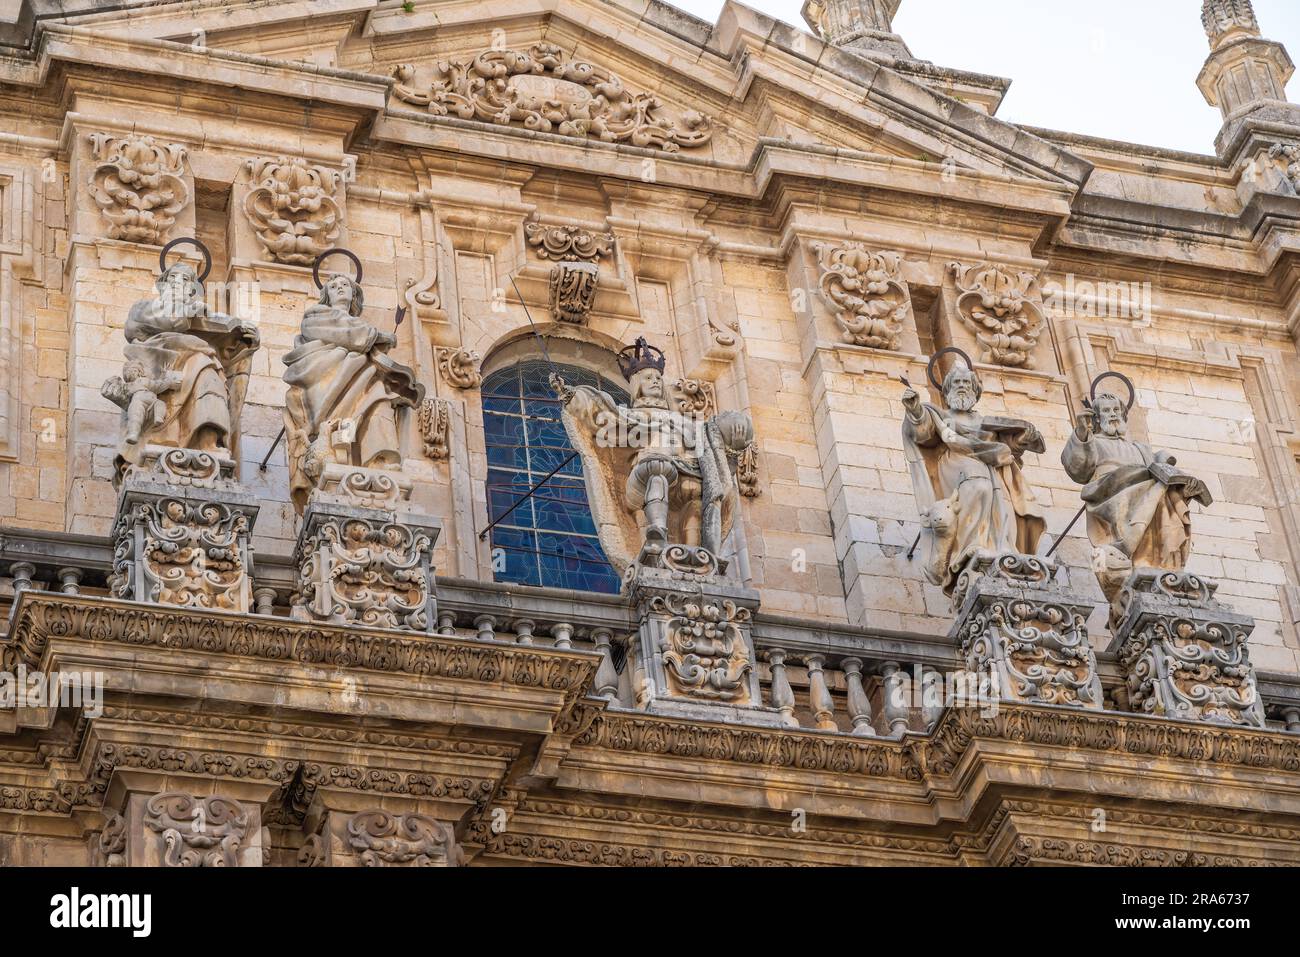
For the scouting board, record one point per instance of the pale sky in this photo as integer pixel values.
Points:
(1121, 69)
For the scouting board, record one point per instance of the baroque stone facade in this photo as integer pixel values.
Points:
(508, 436)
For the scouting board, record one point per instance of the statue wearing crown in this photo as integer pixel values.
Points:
(655, 477)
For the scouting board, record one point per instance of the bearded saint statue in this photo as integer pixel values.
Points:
(343, 390)
(196, 361)
(1138, 501)
(968, 478)
(655, 477)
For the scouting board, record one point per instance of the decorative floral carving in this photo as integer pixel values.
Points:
(459, 367)
(1184, 654)
(175, 551)
(139, 186)
(197, 832)
(359, 570)
(695, 397)
(435, 427)
(1002, 309)
(402, 840)
(573, 290)
(292, 208)
(546, 91)
(747, 471)
(562, 243)
(704, 651)
(867, 292)
(112, 842)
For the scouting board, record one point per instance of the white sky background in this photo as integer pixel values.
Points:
(1120, 69)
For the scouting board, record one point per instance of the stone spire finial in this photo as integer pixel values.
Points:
(1226, 19)
(1245, 72)
(859, 25)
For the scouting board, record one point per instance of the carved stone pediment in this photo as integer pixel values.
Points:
(543, 88)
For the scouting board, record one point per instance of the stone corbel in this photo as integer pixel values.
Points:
(996, 312)
(140, 185)
(435, 428)
(295, 208)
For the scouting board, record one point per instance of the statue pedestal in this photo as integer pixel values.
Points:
(1183, 654)
(181, 532)
(1017, 626)
(362, 557)
(694, 652)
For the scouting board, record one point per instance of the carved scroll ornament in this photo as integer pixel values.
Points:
(543, 89)
(1002, 308)
(138, 185)
(293, 208)
(867, 292)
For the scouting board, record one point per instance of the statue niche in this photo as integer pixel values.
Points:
(656, 478)
(967, 474)
(186, 370)
(344, 391)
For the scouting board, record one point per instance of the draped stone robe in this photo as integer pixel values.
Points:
(333, 375)
(1137, 505)
(970, 488)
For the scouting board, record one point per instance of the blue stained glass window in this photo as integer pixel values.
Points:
(550, 538)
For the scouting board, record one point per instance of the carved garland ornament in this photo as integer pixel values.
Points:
(138, 185)
(867, 292)
(1002, 309)
(544, 90)
(197, 832)
(293, 209)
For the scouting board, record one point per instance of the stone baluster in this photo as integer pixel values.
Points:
(264, 601)
(859, 703)
(22, 573)
(782, 693)
(1292, 718)
(486, 625)
(447, 624)
(524, 631)
(932, 703)
(563, 635)
(70, 581)
(606, 676)
(819, 696)
(897, 708)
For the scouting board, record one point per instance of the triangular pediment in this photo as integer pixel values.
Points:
(624, 72)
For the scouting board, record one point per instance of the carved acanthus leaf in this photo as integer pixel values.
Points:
(435, 426)
(545, 90)
(139, 186)
(867, 292)
(293, 208)
(1003, 309)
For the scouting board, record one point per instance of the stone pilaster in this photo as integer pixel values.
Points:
(694, 651)
(1017, 626)
(1183, 653)
(181, 532)
(363, 556)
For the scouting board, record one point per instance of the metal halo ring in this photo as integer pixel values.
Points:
(337, 250)
(187, 241)
(1132, 392)
(934, 361)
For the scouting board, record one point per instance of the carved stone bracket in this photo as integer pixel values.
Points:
(1025, 633)
(1002, 308)
(1183, 653)
(435, 427)
(198, 831)
(459, 367)
(181, 532)
(573, 290)
(694, 646)
(543, 89)
(361, 557)
(867, 292)
(381, 839)
(293, 208)
(139, 186)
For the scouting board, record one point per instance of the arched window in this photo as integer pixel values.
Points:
(549, 539)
